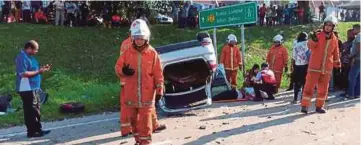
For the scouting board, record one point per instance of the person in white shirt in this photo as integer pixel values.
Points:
(300, 63)
(26, 11)
(59, 12)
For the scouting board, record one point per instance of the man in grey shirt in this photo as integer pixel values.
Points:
(355, 65)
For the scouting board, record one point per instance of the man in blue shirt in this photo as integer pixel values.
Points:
(28, 80)
(354, 74)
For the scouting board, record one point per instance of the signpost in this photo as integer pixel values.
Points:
(240, 14)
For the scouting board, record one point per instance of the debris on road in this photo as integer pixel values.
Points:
(188, 137)
(123, 142)
(225, 123)
(202, 127)
(308, 132)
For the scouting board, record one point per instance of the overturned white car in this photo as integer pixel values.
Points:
(189, 71)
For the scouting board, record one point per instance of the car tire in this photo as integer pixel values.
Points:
(72, 107)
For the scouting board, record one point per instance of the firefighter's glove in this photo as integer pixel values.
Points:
(313, 36)
(127, 70)
(157, 98)
(286, 69)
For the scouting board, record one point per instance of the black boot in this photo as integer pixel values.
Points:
(126, 135)
(304, 110)
(160, 128)
(320, 110)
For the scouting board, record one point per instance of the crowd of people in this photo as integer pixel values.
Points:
(70, 13)
(282, 15)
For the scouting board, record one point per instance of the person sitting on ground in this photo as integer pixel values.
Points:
(265, 81)
(116, 20)
(40, 17)
(251, 76)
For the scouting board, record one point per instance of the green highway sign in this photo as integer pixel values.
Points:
(245, 13)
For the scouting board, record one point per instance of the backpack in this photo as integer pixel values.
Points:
(5, 102)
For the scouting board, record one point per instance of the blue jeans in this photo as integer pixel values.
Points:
(352, 78)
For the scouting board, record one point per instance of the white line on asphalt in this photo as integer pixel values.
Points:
(162, 143)
(59, 127)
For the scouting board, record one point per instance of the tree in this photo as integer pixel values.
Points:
(133, 9)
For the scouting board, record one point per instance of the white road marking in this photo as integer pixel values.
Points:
(59, 127)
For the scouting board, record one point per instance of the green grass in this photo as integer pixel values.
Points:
(83, 60)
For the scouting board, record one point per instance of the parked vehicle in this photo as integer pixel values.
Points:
(163, 19)
(189, 68)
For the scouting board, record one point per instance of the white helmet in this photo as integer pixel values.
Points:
(331, 19)
(278, 38)
(231, 37)
(139, 29)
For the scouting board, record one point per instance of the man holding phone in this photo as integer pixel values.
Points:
(28, 79)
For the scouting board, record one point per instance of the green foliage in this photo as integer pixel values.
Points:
(83, 60)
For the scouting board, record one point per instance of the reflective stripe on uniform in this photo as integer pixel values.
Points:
(125, 124)
(136, 134)
(321, 99)
(158, 86)
(139, 79)
(325, 56)
(306, 98)
(319, 71)
(145, 138)
(230, 69)
(232, 57)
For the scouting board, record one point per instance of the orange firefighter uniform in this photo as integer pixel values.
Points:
(125, 44)
(231, 58)
(139, 90)
(324, 57)
(125, 126)
(277, 58)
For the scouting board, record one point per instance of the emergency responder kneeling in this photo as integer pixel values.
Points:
(265, 81)
(324, 57)
(143, 82)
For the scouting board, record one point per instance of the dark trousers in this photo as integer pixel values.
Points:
(344, 76)
(71, 19)
(26, 16)
(182, 22)
(300, 72)
(261, 20)
(270, 89)
(31, 107)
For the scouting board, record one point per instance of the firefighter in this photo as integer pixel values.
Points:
(277, 58)
(125, 126)
(126, 44)
(141, 69)
(231, 58)
(324, 57)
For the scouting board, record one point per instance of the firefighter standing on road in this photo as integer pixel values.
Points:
(143, 82)
(125, 126)
(277, 58)
(324, 57)
(231, 58)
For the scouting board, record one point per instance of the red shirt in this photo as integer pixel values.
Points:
(40, 16)
(301, 11)
(263, 10)
(116, 18)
